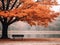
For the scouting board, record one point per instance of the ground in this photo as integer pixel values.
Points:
(51, 41)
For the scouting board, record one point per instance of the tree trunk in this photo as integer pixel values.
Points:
(4, 31)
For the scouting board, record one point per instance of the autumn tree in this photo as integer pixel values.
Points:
(34, 13)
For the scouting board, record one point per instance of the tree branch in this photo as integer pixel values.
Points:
(10, 19)
(14, 20)
(0, 8)
(7, 5)
(13, 4)
(5, 19)
(18, 5)
(1, 19)
(3, 5)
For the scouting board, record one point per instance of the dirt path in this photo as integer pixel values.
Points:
(31, 42)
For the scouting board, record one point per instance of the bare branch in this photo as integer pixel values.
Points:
(13, 4)
(18, 5)
(5, 19)
(7, 5)
(14, 20)
(10, 19)
(1, 19)
(3, 5)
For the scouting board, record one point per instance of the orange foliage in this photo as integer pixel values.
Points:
(33, 12)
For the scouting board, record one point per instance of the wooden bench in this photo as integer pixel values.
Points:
(16, 36)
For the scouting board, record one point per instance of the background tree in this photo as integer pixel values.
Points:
(34, 13)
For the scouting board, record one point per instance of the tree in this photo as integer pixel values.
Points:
(34, 13)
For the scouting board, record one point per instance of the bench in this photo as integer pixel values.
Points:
(16, 36)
